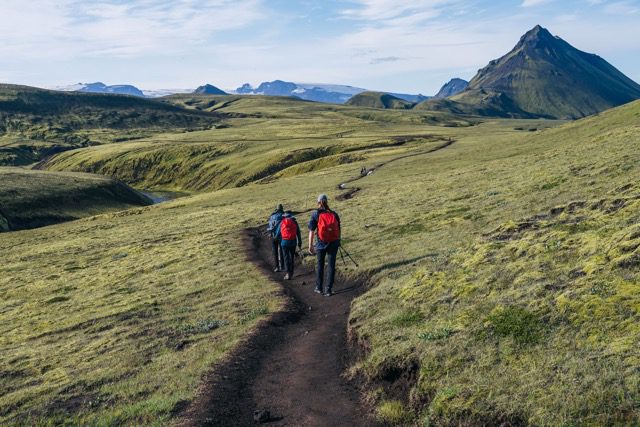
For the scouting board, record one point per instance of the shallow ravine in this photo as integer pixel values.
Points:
(162, 196)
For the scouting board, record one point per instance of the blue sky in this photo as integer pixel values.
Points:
(392, 45)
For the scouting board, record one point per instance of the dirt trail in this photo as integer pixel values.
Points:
(293, 365)
(353, 191)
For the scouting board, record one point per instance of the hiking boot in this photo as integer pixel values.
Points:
(328, 294)
(287, 276)
(277, 270)
(317, 291)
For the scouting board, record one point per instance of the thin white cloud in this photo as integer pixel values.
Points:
(382, 10)
(72, 28)
(382, 60)
(625, 8)
(533, 3)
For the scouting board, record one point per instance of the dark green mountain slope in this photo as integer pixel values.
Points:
(35, 123)
(378, 100)
(478, 102)
(30, 199)
(546, 76)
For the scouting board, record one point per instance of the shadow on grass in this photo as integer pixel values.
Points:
(398, 264)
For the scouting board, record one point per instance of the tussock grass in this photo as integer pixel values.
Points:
(393, 412)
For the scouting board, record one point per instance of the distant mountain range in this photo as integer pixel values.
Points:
(99, 87)
(542, 76)
(336, 94)
(318, 92)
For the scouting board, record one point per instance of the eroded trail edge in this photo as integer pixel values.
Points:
(293, 364)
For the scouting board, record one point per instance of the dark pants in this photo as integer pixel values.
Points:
(329, 252)
(278, 256)
(289, 258)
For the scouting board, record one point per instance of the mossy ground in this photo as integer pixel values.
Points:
(504, 270)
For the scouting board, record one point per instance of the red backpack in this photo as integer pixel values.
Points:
(328, 227)
(288, 229)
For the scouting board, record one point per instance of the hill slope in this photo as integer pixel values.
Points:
(35, 123)
(479, 102)
(208, 89)
(378, 100)
(527, 312)
(546, 76)
(30, 199)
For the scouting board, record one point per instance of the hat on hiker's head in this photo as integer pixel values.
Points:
(279, 207)
(323, 198)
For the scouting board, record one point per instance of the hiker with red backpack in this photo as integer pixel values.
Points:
(326, 223)
(289, 235)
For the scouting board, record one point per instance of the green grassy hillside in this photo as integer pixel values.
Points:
(523, 304)
(282, 136)
(35, 123)
(478, 102)
(378, 100)
(504, 277)
(30, 199)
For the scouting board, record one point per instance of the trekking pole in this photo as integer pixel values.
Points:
(342, 256)
(348, 255)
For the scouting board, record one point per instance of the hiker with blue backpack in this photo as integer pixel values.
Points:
(273, 224)
(326, 224)
(289, 235)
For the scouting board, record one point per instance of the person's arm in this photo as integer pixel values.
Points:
(313, 224)
(277, 232)
(311, 248)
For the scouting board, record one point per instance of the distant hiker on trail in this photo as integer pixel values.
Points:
(363, 171)
(272, 227)
(289, 234)
(326, 223)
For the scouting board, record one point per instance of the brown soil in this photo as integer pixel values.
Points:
(293, 365)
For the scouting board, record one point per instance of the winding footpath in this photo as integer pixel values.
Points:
(353, 191)
(293, 365)
(291, 370)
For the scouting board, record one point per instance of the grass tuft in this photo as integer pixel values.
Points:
(407, 318)
(393, 412)
(515, 322)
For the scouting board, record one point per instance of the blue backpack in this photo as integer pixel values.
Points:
(274, 222)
